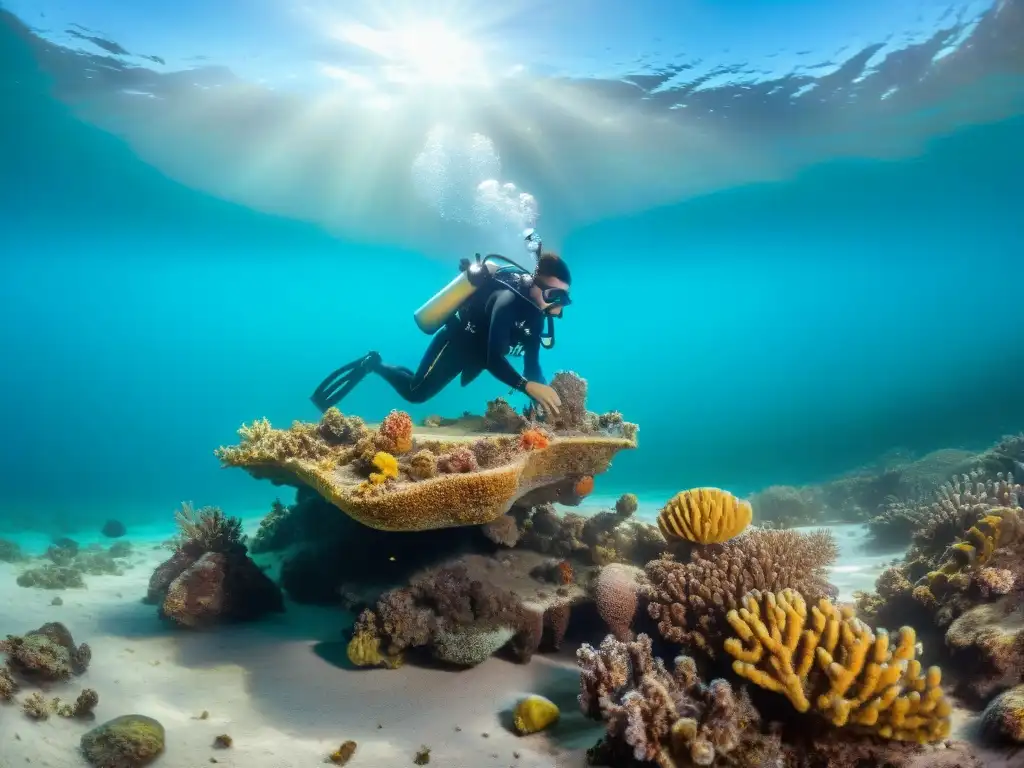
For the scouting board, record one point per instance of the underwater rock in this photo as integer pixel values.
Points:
(51, 577)
(382, 491)
(48, 653)
(1003, 719)
(10, 552)
(113, 529)
(210, 576)
(129, 741)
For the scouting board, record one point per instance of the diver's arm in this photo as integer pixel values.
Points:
(531, 361)
(498, 338)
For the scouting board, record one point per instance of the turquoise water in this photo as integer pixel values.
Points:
(778, 331)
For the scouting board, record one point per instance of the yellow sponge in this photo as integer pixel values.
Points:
(535, 713)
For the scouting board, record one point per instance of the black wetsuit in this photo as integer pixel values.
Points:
(494, 323)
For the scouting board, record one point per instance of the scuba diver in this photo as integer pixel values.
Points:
(487, 313)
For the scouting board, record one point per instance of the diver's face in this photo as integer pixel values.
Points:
(542, 286)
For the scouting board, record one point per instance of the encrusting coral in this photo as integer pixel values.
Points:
(834, 663)
(668, 719)
(48, 654)
(690, 600)
(704, 516)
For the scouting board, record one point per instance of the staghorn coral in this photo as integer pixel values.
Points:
(834, 663)
(261, 444)
(460, 460)
(48, 653)
(616, 595)
(207, 529)
(704, 516)
(690, 600)
(422, 465)
(668, 719)
(395, 433)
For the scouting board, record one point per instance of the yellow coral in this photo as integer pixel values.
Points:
(704, 516)
(997, 528)
(838, 665)
(533, 714)
(387, 466)
(364, 651)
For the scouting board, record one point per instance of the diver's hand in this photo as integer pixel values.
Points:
(544, 396)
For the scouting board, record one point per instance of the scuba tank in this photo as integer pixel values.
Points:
(472, 275)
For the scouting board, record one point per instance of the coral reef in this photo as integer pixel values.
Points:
(690, 600)
(831, 661)
(704, 516)
(668, 719)
(210, 576)
(10, 552)
(421, 493)
(46, 654)
(626, 505)
(51, 577)
(273, 534)
(129, 741)
(987, 644)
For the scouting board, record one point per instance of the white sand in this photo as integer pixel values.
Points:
(270, 688)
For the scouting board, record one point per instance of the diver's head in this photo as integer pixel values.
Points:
(551, 281)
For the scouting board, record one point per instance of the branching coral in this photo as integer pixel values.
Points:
(207, 529)
(959, 505)
(572, 391)
(834, 663)
(704, 516)
(395, 433)
(337, 429)
(262, 444)
(668, 719)
(689, 600)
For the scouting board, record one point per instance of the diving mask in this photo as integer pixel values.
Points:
(559, 297)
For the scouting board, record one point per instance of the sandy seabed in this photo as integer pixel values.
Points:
(282, 688)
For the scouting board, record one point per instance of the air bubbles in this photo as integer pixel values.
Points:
(457, 175)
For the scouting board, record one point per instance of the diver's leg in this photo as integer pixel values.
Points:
(342, 381)
(441, 363)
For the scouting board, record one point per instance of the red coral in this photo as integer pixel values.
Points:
(458, 461)
(584, 486)
(565, 572)
(395, 433)
(533, 440)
